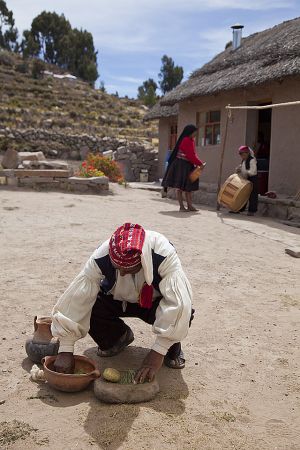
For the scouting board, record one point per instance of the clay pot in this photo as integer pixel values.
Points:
(71, 382)
(42, 343)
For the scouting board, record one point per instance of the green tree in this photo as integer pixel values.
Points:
(52, 38)
(147, 92)
(102, 86)
(170, 75)
(79, 56)
(8, 32)
(45, 38)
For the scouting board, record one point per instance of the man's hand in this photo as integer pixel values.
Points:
(150, 366)
(64, 363)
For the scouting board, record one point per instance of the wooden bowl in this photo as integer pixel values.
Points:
(71, 382)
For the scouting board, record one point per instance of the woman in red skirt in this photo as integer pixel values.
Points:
(181, 163)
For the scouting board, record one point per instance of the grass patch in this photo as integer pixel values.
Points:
(11, 432)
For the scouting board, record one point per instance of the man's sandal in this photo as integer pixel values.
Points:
(123, 342)
(177, 362)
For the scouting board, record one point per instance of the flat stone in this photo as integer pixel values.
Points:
(108, 153)
(88, 181)
(125, 393)
(28, 164)
(31, 156)
(32, 180)
(293, 251)
(12, 181)
(7, 173)
(21, 173)
(10, 159)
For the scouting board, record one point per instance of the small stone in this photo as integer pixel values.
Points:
(293, 251)
(2, 402)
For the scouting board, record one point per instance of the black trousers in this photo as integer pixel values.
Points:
(106, 327)
(253, 199)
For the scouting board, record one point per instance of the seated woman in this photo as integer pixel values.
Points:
(181, 163)
(248, 170)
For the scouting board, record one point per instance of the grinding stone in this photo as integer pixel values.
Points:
(125, 393)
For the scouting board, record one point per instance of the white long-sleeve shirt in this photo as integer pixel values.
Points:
(71, 314)
(252, 171)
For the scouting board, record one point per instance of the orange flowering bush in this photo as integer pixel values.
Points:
(88, 170)
(109, 167)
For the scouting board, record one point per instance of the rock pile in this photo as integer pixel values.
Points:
(132, 155)
(31, 169)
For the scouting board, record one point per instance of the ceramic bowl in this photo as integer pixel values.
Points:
(71, 382)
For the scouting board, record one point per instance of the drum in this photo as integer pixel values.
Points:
(235, 192)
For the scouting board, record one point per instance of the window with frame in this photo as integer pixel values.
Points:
(172, 136)
(209, 129)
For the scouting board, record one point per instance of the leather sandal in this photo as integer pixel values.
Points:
(177, 362)
(123, 342)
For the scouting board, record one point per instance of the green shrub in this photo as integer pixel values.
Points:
(22, 67)
(38, 66)
(6, 59)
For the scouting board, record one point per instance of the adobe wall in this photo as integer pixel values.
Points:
(284, 176)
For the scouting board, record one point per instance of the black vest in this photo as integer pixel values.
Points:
(109, 271)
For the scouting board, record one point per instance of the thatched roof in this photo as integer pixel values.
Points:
(273, 54)
(158, 111)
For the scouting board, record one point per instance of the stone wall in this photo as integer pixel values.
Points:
(132, 155)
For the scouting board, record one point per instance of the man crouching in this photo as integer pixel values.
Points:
(136, 273)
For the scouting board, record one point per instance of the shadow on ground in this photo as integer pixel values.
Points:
(179, 214)
(108, 425)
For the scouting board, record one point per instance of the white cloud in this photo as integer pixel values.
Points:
(146, 29)
(132, 25)
(126, 79)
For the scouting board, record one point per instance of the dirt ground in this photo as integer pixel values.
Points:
(240, 388)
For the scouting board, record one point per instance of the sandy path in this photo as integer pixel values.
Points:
(240, 388)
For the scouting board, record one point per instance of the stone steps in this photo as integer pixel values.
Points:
(24, 173)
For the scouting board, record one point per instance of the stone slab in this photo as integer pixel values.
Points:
(88, 181)
(31, 156)
(27, 164)
(32, 180)
(293, 251)
(10, 159)
(7, 173)
(291, 223)
(12, 181)
(21, 173)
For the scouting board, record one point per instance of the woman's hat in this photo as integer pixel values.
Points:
(244, 149)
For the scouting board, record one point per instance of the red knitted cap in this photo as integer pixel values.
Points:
(125, 245)
(244, 149)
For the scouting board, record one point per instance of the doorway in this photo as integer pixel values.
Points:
(262, 149)
(258, 137)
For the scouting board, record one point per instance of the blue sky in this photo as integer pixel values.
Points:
(132, 35)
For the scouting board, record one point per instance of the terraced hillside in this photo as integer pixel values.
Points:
(64, 106)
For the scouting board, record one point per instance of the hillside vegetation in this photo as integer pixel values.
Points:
(71, 107)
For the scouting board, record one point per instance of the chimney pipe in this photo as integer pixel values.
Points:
(236, 35)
